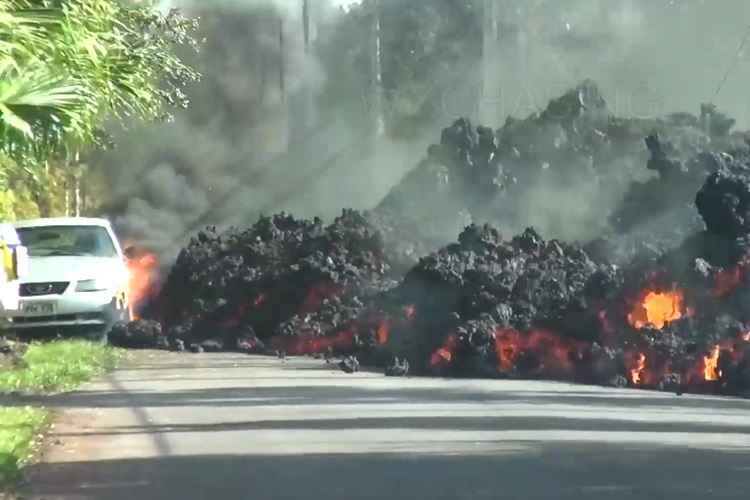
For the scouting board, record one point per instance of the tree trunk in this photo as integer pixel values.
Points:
(67, 198)
(77, 195)
(42, 200)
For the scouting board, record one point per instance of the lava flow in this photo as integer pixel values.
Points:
(657, 309)
(444, 355)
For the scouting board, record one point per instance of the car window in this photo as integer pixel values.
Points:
(54, 241)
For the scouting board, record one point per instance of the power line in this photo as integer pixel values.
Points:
(733, 64)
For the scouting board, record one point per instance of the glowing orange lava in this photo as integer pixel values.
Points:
(657, 309)
(444, 355)
(553, 354)
(711, 370)
(141, 285)
(636, 373)
(305, 344)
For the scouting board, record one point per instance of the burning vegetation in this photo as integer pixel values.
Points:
(638, 305)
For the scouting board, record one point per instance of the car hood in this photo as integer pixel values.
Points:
(70, 268)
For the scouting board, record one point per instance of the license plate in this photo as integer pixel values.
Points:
(39, 308)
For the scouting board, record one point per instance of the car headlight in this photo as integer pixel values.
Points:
(94, 285)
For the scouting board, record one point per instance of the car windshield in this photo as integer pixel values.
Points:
(52, 241)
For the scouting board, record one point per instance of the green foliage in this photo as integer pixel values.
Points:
(19, 433)
(69, 66)
(59, 366)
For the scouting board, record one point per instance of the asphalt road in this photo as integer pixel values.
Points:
(234, 427)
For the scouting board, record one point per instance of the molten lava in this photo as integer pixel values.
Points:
(544, 352)
(638, 368)
(305, 344)
(142, 284)
(444, 355)
(711, 370)
(657, 309)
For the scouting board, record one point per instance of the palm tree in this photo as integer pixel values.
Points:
(66, 66)
(37, 99)
(65, 69)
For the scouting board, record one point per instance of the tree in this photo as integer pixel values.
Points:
(69, 66)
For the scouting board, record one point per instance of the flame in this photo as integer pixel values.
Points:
(444, 355)
(636, 373)
(507, 349)
(383, 332)
(657, 309)
(142, 269)
(711, 370)
(746, 337)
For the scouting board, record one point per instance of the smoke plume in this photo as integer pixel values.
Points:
(276, 126)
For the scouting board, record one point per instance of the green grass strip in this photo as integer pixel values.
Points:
(59, 366)
(20, 432)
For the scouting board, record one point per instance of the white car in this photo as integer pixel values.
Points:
(77, 277)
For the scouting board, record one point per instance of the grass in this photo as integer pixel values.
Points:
(59, 366)
(47, 368)
(20, 432)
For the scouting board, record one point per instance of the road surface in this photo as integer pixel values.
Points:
(182, 426)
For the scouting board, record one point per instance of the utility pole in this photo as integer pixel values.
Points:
(310, 33)
(282, 62)
(490, 90)
(377, 65)
(306, 24)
